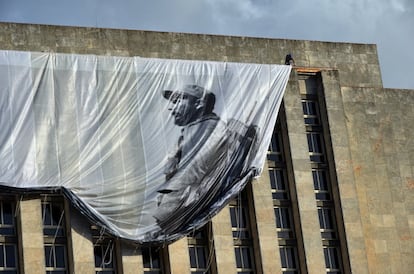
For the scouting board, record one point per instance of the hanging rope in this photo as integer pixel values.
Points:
(17, 207)
(110, 249)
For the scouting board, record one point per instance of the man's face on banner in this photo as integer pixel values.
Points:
(184, 109)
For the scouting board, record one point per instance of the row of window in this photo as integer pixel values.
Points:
(55, 243)
(282, 204)
(8, 238)
(321, 182)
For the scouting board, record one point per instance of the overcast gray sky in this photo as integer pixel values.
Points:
(387, 23)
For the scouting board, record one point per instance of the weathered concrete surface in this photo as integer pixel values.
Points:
(357, 63)
(380, 125)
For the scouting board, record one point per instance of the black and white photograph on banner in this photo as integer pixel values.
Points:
(149, 149)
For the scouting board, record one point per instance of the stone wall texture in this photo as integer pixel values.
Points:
(381, 139)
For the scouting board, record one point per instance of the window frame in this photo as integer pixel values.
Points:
(60, 237)
(151, 251)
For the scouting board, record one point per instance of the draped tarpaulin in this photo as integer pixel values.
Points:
(148, 148)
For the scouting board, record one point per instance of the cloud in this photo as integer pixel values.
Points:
(387, 23)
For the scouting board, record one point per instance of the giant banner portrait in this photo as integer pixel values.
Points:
(149, 149)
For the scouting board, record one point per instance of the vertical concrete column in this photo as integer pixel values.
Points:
(82, 244)
(31, 227)
(343, 169)
(131, 259)
(179, 256)
(223, 242)
(302, 176)
(265, 223)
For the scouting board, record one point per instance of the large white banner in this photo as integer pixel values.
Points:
(148, 148)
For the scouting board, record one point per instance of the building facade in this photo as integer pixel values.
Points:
(336, 194)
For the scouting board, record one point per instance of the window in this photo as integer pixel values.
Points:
(104, 250)
(7, 220)
(198, 259)
(312, 114)
(278, 184)
(326, 221)
(239, 222)
(332, 261)
(282, 206)
(199, 251)
(53, 219)
(55, 256)
(54, 232)
(275, 150)
(243, 244)
(8, 239)
(288, 256)
(283, 222)
(152, 259)
(244, 262)
(321, 184)
(315, 142)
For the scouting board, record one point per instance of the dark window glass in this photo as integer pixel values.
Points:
(244, 258)
(7, 213)
(278, 185)
(275, 143)
(323, 196)
(315, 142)
(320, 180)
(8, 244)
(282, 217)
(198, 257)
(326, 218)
(331, 258)
(104, 255)
(201, 255)
(193, 259)
(55, 257)
(2, 256)
(49, 256)
(8, 256)
(310, 112)
(277, 179)
(239, 262)
(330, 235)
(247, 259)
(151, 257)
(7, 224)
(309, 107)
(288, 257)
(60, 256)
(199, 251)
(53, 219)
(239, 222)
(274, 157)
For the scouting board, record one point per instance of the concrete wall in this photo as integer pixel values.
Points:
(358, 63)
(380, 125)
